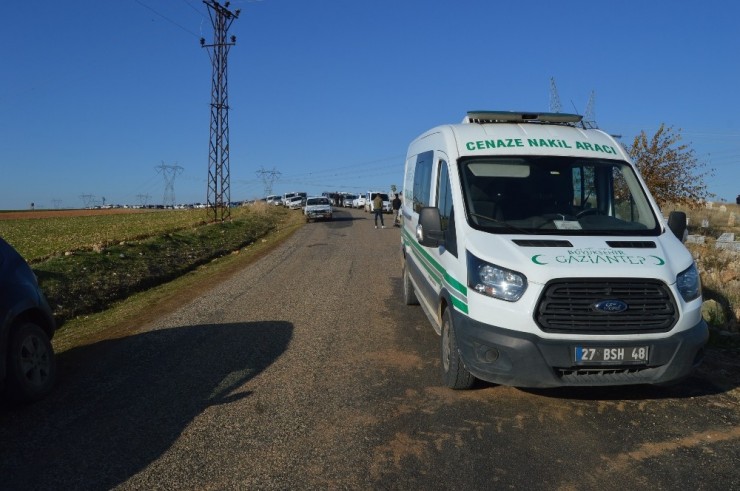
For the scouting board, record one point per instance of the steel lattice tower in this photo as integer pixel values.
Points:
(219, 192)
(170, 172)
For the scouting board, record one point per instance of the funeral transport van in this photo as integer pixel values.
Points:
(539, 256)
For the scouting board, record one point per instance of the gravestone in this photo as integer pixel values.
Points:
(727, 242)
(695, 239)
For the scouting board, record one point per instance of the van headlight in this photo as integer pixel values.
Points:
(495, 281)
(689, 283)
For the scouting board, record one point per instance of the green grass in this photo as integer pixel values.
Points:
(121, 317)
(37, 239)
(86, 264)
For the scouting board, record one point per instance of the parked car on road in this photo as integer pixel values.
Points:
(358, 202)
(317, 207)
(27, 364)
(295, 202)
(348, 199)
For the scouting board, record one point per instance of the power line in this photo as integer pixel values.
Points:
(166, 18)
(352, 168)
(193, 7)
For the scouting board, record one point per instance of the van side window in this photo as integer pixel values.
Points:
(422, 180)
(446, 212)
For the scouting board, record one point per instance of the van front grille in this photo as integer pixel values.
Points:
(569, 307)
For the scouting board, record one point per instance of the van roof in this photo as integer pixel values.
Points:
(484, 133)
(520, 117)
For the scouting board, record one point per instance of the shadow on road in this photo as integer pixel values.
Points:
(346, 216)
(122, 403)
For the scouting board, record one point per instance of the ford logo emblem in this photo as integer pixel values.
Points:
(611, 306)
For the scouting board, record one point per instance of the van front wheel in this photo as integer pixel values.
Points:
(454, 373)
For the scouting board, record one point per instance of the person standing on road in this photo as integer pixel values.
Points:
(378, 209)
(396, 211)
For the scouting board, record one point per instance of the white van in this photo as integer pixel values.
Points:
(537, 253)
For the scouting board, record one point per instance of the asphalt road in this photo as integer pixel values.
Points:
(306, 371)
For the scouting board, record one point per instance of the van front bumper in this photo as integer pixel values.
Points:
(507, 357)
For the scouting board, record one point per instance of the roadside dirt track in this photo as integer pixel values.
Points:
(305, 371)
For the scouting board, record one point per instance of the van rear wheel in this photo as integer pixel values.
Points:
(454, 373)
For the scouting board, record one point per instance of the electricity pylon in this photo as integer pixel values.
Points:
(219, 192)
(554, 97)
(88, 200)
(170, 172)
(268, 178)
(143, 199)
(589, 116)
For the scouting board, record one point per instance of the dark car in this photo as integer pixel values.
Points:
(27, 364)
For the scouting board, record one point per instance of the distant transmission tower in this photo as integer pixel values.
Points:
(88, 200)
(268, 178)
(170, 172)
(219, 192)
(589, 116)
(554, 97)
(143, 199)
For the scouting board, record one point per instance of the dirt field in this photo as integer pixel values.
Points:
(20, 215)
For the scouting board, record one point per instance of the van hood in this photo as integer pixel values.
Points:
(542, 258)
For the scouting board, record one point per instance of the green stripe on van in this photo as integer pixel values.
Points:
(438, 272)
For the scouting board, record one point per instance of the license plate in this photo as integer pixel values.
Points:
(594, 355)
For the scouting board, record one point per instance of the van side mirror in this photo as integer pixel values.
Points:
(429, 230)
(677, 224)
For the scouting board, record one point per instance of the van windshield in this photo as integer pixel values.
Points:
(555, 195)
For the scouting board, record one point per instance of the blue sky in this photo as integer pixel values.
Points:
(95, 95)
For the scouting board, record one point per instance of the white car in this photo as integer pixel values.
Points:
(348, 199)
(358, 202)
(295, 202)
(317, 207)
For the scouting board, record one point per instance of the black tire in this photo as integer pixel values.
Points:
(454, 373)
(31, 364)
(409, 295)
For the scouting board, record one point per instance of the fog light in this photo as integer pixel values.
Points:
(491, 355)
(485, 353)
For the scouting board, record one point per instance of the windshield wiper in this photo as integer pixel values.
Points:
(503, 224)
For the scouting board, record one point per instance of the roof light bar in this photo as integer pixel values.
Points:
(520, 117)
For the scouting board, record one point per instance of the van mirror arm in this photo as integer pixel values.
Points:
(429, 230)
